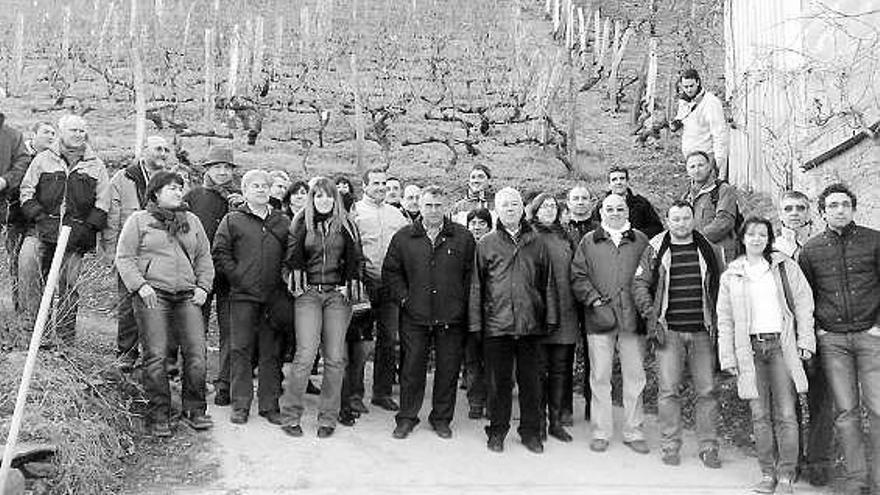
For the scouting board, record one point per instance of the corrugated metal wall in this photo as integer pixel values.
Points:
(764, 90)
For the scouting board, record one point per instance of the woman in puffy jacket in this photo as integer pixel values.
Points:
(324, 262)
(765, 330)
(164, 257)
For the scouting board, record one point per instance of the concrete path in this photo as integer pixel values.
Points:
(257, 458)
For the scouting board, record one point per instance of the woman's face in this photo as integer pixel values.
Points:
(478, 227)
(278, 188)
(170, 196)
(298, 200)
(547, 212)
(755, 239)
(323, 202)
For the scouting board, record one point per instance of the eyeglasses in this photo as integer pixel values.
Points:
(794, 207)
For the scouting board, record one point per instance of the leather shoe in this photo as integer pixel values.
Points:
(534, 445)
(495, 443)
(403, 429)
(442, 429)
(566, 419)
(325, 431)
(239, 416)
(386, 403)
(638, 446)
(599, 445)
(357, 405)
(292, 430)
(347, 417)
(559, 433)
(273, 417)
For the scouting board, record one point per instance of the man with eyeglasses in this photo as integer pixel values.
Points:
(842, 265)
(128, 189)
(797, 226)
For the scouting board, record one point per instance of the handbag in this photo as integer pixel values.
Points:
(601, 318)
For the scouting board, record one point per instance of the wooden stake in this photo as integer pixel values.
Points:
(358, 116)
(258, 51)
(105, 27)
(19, 59)
(31, 359)
(232, 80)
(140, 97)
(65, 34)
(582, 30)
(210, 79)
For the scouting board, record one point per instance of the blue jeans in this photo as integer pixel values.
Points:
(320, 318)
(698, 350)
(126, 325)
(773, 412)
(851, 362)
(175, 316)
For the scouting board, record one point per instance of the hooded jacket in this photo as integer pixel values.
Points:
(513, 293)
(734, 319)
(248, 251)
(83, 189)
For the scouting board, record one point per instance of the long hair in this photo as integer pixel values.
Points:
(741, 235)
(338, 218)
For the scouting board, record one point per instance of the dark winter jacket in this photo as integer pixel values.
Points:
(513, 293)
(329, 255)
(83, 188)
(14, 161)
(601, 270)
(431, 282)
(844, 272)
(209, 205)
(577, 229)
(561, 250)
(248, 251)
(715, 215)
(642, 215)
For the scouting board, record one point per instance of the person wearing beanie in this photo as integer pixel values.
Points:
(164, 259)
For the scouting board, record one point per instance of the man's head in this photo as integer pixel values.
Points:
(680, 220)
(219, 165)
(393, 190)
(690, 83)
(411, 194)
(280, 183)
(699, 168)
(478, 179)
(73, 132)
(156, 152)
(618, 180)
(255, 186)
(837, 204)
(509, 207)
(614, 211)
(794, 209)
(432, 205)
(374, 184)
(580, 202)
(43, 135)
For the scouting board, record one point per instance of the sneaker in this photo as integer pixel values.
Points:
(671, 458)
(710, 459)
(599, 445)
(766, 485)
(160, 429)
(638, 446)
(273, 417)
(197, 420)
(239, 416)
(221, 398)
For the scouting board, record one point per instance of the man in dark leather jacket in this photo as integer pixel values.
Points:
(513, 303)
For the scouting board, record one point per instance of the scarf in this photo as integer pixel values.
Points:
(71, 155)
(617, 234)
(173, 221)
(137, 174)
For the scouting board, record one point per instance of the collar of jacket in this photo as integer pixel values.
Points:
(847, 231)
(272, 212)
(481, 195)
(600, 235)
(418, 228)
(738, 266)
(524, 229)
(88, 154)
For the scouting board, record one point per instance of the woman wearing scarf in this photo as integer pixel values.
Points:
(164, 257)
(558, 348)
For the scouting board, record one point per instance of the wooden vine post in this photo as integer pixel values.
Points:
(616, 59)
(356, 88)
(19, 53)
(210, 80)
(258, 52)
(140, 99)
(232, 80)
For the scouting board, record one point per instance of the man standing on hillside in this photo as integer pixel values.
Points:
(675, 289)
(842, 265)
(701, 117)
(128, 194)
(642, 215)
(66, 184)
(377, 223)
(714, 202)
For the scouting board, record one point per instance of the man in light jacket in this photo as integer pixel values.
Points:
(700, 115)
(601, 274)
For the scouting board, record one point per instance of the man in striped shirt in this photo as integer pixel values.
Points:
(675, 288)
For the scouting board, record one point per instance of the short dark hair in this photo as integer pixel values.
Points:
(372, 170)
(434, 191)
(771, 237)
(341, 179)
(680, 203)
(837, 187)
(295, 187)
(391, 177)
(690, 74)
(481, 213)
(485, 169)
(161, 179)
(792, 194)
(618, 169)
(698, 153)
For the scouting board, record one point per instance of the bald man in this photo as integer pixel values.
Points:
(68, 172)
(601, 275)
(127, 195)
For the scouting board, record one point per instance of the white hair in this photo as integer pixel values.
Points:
(255, 175)
(508, 192)
(70, 119)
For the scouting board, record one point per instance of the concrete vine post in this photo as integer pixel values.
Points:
(19, 55)
(140, 99)
(210, 79)
(258, 52)
(358, 115)
(232, 80)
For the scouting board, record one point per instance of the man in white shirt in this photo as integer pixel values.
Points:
(701, 117)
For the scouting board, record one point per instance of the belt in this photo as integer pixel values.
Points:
(764, 337)
(321, 288)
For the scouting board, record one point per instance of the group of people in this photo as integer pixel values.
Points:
(502, 288)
